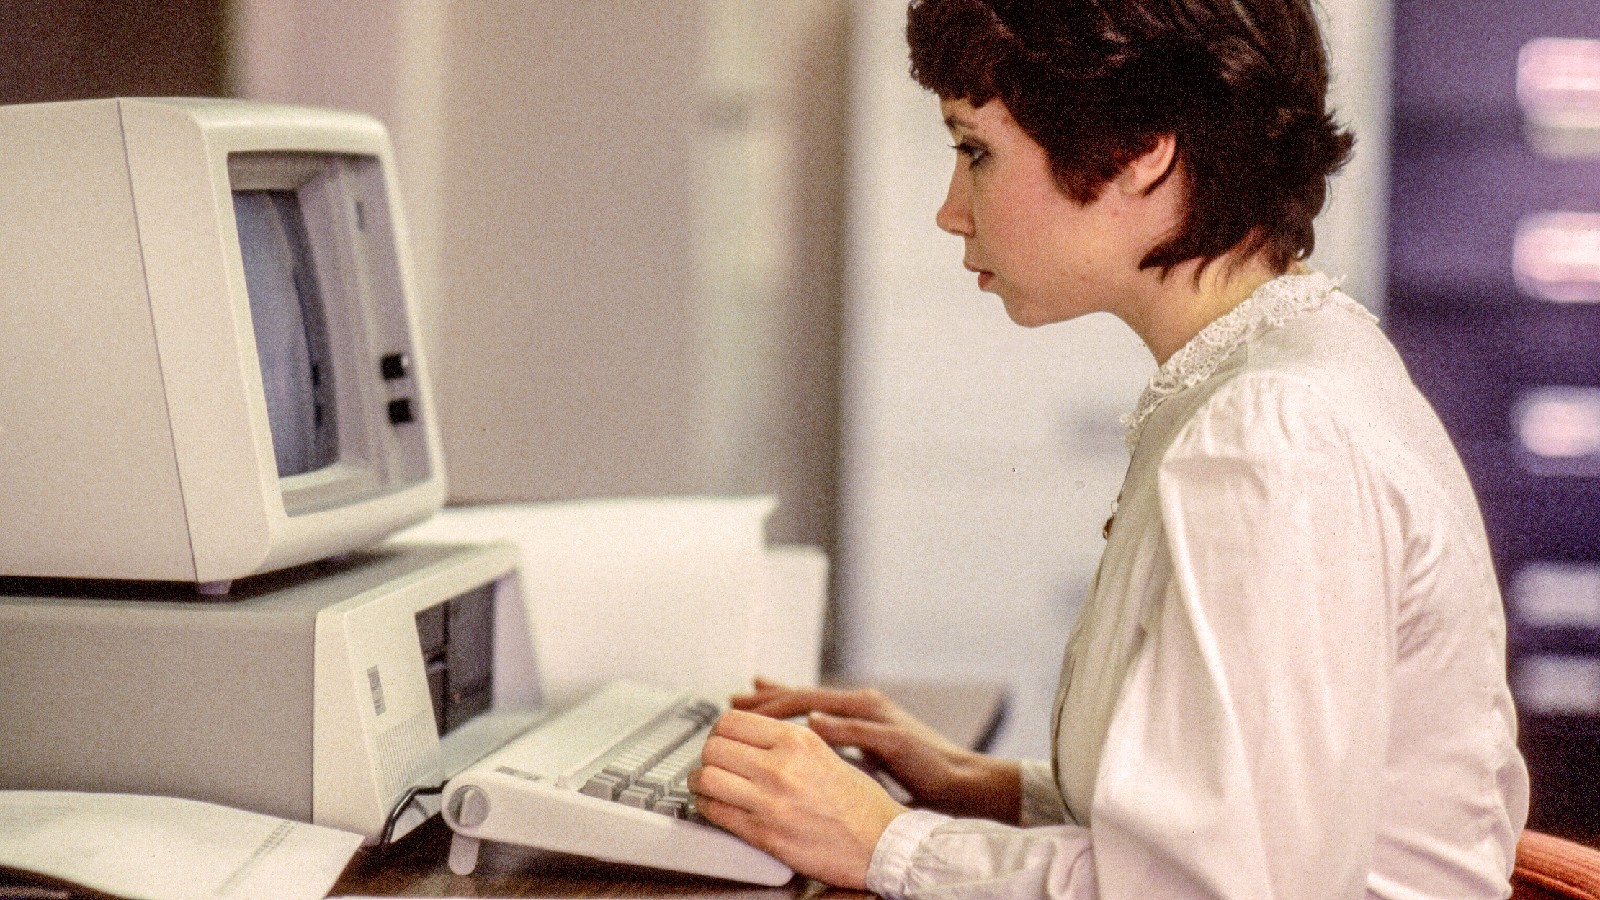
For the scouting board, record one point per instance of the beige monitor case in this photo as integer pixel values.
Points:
(136, 441)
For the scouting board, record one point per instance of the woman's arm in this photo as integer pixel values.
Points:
(1246, 752)
(938, 774)
(780, 787)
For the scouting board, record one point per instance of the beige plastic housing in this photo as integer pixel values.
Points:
(134, 434)
(305, 697)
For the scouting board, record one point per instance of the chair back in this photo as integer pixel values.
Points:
(1552, 868)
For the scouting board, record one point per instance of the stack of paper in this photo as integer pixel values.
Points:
(681, 592)
(163, 848)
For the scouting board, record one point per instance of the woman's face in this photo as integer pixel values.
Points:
(1048, 258)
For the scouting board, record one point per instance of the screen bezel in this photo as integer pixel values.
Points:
(324, 188)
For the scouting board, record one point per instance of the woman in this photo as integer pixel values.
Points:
(1288, 677)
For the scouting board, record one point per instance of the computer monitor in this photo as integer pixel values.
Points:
(209, 361)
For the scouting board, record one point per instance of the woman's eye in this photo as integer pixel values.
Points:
(973, 153)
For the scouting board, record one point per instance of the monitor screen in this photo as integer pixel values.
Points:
(286, 308)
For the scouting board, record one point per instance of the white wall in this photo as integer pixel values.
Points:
(980, 457)
(1352, 234)
(381, 57)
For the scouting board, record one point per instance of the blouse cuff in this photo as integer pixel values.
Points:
(891, 858)
(1041, 797)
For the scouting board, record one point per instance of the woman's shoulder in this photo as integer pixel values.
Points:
(1321, 382)
(1340, 341)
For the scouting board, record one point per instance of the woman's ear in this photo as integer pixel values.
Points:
(1146, 172)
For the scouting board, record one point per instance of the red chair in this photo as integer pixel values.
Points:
(1552, 868)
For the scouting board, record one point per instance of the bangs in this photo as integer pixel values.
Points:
(956, 47)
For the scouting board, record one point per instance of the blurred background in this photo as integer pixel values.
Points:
(687, 247)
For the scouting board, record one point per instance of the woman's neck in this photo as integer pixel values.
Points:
(1180, 305)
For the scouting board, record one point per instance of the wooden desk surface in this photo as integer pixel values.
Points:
(415, 866)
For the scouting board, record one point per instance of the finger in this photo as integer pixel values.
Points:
(726, 815)
(735, 756)
(751, 701)
(873, 737)
(723, 786)
(751, 728)
(762, 686)
(764, 691)
(781, 706)
(800, 701)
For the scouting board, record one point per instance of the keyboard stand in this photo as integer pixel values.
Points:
(463, 854)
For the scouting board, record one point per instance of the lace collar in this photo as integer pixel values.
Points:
(1279, 300)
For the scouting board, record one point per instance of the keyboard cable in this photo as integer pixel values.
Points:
(387, 837)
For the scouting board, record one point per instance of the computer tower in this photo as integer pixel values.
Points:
(322, 694)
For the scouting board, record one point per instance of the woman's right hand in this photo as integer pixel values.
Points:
(938, 774)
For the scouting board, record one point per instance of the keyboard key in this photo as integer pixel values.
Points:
(604, 786)
(639, 797)
(656, 779)
(621, 769)
(651, 770)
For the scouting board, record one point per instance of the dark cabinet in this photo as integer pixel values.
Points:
(1494, 300)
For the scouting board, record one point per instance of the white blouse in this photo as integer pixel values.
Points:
(1288, 679)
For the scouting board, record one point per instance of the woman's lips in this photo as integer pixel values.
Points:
(984, 276)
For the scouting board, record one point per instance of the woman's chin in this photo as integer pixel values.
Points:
(1024, 314)
(1034, 315)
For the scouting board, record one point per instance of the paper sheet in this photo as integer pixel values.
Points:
(672, 591)
(163, 848)
(789, 624)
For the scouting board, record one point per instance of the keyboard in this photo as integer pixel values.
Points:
(605, 778)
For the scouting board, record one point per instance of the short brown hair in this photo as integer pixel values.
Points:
(1241, 84)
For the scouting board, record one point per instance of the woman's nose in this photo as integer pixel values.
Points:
(955, 215)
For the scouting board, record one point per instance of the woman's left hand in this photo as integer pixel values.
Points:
(782, 788)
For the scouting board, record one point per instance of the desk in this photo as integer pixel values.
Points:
(415, 866)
